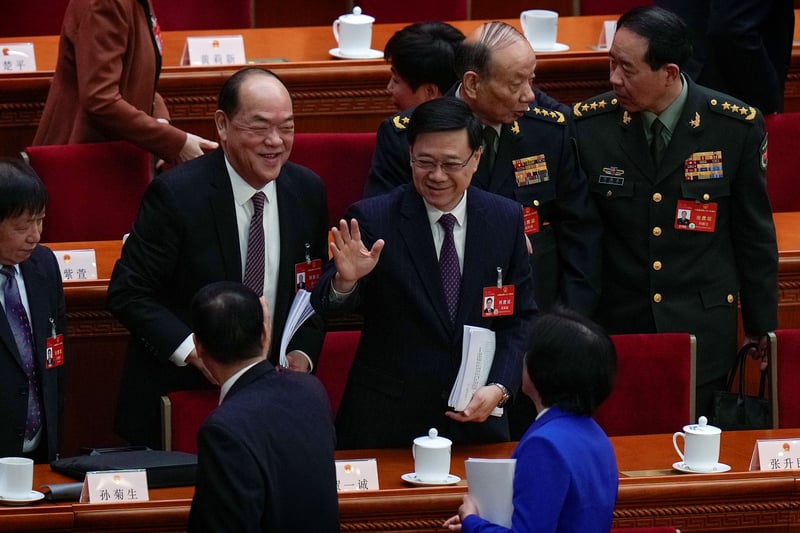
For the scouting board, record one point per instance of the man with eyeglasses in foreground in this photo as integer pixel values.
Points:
(417, 262)
(195, 226)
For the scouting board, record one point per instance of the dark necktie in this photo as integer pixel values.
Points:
(489, 141)
(254, 263)
(21, 328)
(657, 144)
(448, 266)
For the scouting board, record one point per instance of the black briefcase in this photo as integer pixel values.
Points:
(164, 469)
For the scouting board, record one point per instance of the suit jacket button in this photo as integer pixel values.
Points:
(706, 197)
(730, 298)
(657, 231)
(656, 265)
(657, 297)
(657, 197)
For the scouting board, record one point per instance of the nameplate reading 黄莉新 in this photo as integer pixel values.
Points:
(17, 57)
(77, 265)
(115, 486)
(776, 454)
(214, 50)
(357, 474)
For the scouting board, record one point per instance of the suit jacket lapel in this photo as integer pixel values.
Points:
(416, 232)
(479, 232)
(7, 338)
(634, 144)
(290, 204)
(224, 213)
(36, 288)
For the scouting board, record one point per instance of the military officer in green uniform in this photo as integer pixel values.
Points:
(660, 149)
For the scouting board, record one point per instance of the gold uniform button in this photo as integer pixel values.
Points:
(657, 297)
(536, 203)
(706, 197)
(609, 194)
(657, 231)
(657, 197)
(657, 265)
(730, 298)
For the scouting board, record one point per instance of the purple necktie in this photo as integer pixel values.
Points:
(254, 263)
(21, 328)
(448, 266)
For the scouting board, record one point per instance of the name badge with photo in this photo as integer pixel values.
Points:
(306, 274)
(530, 170)
(498, 301)
(696, 216)
(703, 166)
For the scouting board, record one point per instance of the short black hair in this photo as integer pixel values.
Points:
(228, 99)
(227, 321)
(445, 114)
(21, 189)
(571, 361)
(668, 36)
(424, 53)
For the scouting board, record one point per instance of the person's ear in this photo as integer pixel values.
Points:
(222, 123)
(470, 83)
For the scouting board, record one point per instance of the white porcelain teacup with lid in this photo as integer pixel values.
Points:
(353, 33)
(700, 445)
(431, 457)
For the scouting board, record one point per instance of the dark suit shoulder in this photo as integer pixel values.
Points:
(597, 105)
(300, 174)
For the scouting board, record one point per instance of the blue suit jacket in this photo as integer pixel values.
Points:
(46, 303)
(265, 458)
(409, 352)
(565, 479)
(184, 238)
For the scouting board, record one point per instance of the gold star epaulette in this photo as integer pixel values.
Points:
(547, 114)
(401, 120)
(732, 108)
(595, 106)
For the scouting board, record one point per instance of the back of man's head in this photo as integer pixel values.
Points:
(228, 322)
(424, 53)
(21, 190)
(445, 114)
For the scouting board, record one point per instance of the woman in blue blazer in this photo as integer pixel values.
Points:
(566, 473)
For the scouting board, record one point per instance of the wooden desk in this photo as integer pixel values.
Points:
(650, 493)
(329, 94)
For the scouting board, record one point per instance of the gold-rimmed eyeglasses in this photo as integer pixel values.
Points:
(448, 167)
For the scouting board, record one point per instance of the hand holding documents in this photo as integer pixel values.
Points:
(300, 312)
(477, 356)
(491, 485)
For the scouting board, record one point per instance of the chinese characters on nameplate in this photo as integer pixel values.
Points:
(115, 486)
(357, 474)
(776, 454)
(17, 57)
(77, 265)
(214, 50)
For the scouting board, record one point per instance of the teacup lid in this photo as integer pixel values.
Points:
(433, 440)
(702, 426)
(356, 17)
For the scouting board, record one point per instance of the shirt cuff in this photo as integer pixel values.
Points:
(304, 354)
(180, 354)
(339, 297)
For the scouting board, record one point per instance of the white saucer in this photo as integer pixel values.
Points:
(558, 47)
(680, 466)
(371, 54)
(34, 496)
(411, 477)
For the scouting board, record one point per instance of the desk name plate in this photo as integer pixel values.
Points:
(356, 475)
(115, 486)
(776, 454)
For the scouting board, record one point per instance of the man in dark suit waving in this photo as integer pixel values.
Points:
(242, 213)
(31, 321)
(446, 245)
(266, 458)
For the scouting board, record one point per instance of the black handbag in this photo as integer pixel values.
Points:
(736, 410)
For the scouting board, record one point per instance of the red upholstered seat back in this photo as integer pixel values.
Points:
(783, 170)
(94, 189)
(785, 376)
(610, 7)
(342, 160)
(335, 359)
(655, 385)
(657, 529)
(184, 414)
(44, 17)
(202, 14)
(414, 10)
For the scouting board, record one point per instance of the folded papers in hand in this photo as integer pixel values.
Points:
(477, 356)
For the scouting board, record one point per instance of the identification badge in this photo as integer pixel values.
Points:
(54, 356)
(306, 274)
(530, 219)
(530, 170)
(695, 216)
(498, 301)
(703, 166)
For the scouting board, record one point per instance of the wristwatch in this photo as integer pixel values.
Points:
(504, 390)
